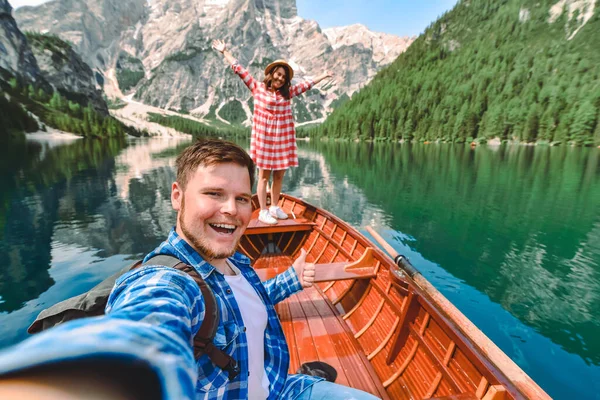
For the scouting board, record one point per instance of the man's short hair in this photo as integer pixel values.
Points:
(208, 152)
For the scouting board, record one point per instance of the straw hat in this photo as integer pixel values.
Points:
(280, 63)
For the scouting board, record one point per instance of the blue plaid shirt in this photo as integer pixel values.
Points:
(152, 315)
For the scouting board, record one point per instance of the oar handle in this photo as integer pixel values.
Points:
(401, 261)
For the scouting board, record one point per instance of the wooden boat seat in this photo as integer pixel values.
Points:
(269, 266)
(315, 332)
(493, 392)
(292, 224)
(313, 327)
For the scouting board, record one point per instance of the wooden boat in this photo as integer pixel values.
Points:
(381, 325)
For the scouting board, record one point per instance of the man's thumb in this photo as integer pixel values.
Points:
(302, 254)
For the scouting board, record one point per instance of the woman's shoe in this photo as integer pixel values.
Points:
(265, 217)
(277, 212)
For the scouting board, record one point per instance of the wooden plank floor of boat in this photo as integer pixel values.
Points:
(315, 332)
(293, 223)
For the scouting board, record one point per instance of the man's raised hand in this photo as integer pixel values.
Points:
(304, 270)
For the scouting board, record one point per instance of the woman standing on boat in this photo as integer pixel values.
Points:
(273, 139)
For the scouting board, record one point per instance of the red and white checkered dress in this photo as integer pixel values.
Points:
(273, 139)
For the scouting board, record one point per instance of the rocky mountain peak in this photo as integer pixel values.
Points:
(281, 9)
(64, 70)
(159, 50)
(93, 27)
(16, 58)
(385, 47)
(5, 8)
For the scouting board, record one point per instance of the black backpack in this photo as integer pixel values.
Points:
(93, 302)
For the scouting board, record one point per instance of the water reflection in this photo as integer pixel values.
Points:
(511, 234)
(36, 182)
(518, 223)
(314, 182)
(75, 207)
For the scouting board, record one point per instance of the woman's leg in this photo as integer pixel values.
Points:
(276, 188)
(330, 391)
(261, 187)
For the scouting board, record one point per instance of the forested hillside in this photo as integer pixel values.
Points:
(519, 70)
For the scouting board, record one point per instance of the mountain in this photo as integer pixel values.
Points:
(160, 50)
(18, 66)
(62, 67)
(16, 57)
(518, 70)
(46, 62)
(383, 46)
(43, 82)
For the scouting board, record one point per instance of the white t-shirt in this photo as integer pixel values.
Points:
(254, 314)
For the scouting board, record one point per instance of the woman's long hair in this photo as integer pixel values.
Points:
(285, 89)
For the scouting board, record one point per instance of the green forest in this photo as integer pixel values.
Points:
(55, 111)
(233, 112)
(192, 127)
(486, 69)
(130, 71)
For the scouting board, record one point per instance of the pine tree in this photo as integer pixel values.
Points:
(459, 131)
(14, 84)
(56, 101)
(583, 123)
(532, 124)
(547, 126)
(31, 92)
(493, 122)
(597, 134)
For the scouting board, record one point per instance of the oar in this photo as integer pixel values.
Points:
(401, 261)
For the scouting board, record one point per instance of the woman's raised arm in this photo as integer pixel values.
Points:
(302, 87)
(324, 75)
(221, 47)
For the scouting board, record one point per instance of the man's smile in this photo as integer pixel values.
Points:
(223, 228)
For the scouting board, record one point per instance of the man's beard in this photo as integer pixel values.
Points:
(199, 244)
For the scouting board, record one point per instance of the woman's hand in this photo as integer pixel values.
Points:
(325, 75)
(219, 45)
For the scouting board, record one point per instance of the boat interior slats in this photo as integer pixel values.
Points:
(376, 328)
(324, 344)
(289, 225)
(323, 272)
(283, 310)
(463, 370)
(462, 396)
(429, 369)
(349, 345)
(276, 262)
(315, 332)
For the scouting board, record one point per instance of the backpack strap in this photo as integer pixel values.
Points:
(203, 341)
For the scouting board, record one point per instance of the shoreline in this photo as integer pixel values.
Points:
(475, 143)
(52, 135)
